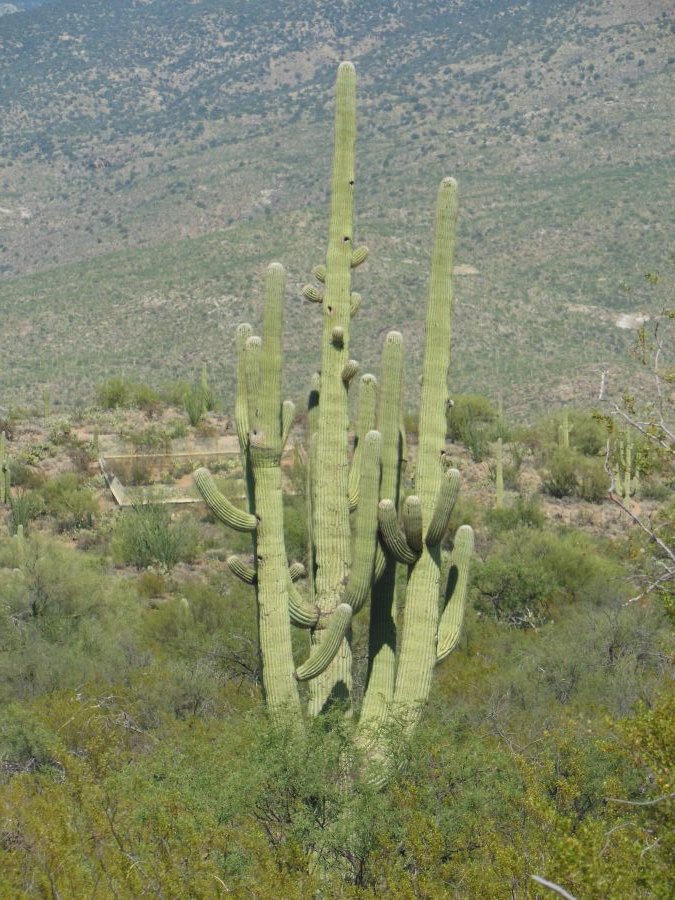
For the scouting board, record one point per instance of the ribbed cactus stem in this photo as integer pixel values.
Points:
(450, 625)
(382, 629)
(287, 419)
(331, 532)
(420, 627)
(365, 422)
(499, 475)
(412, 522)
(445, 503)
(365, 527)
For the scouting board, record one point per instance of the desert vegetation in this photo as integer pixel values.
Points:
(163, 729)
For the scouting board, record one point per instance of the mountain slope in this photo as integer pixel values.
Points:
(135, 132)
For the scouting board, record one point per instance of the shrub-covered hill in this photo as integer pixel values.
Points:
(134, 756)
(157, 155)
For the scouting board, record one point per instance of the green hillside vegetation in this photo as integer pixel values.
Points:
(134, 756)
(156, 156)
(153, 735)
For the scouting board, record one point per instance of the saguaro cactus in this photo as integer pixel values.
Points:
(353, 494)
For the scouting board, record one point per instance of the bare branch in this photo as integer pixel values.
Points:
(560, 891)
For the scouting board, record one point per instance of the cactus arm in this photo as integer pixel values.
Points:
(382, 629)
(450, 625)
(319, 272)
(242, 570)
(393, 538)
(360, 255)
(420, 626)
(312, 293)
(220, 506)
(445, 502)
(354, 303)
(297, 571)
(365, 422)
(412, 523)
(287, 419)
(244, 332)
(302, 613)
(349, 371)
(262, 360)
(365, 529)
(325, 652)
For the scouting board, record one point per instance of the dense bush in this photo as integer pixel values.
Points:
(69, 502)
(469, 422)
(146, 534)
(529, 572)
(123, 393)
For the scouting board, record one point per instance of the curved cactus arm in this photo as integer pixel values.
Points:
(365, 529)
(220, 506)
(312, 293)
(360, 255)
(297, 571)
(365, 422)
(302, 613)
(319, 272)
(287, 419)
(242, 570)
(393, 538)
(412, 522)
(354, 303)
(445, 503)
(450, 625)
(325, 652)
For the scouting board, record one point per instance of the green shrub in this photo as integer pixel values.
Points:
(593, 481)
(24, 508)
(525, 512)
(529, 571)
(146, 534)
(123, 393)
(561, 476)
(69, 502)
(469, 419)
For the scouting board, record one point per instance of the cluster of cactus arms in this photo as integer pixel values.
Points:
(626, 469)
(360, 527)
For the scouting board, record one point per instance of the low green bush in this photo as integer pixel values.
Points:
(524, 512)
(146, 535)
(69, 502)
(530, 571)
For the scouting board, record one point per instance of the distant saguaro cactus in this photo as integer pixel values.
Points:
(360, 528)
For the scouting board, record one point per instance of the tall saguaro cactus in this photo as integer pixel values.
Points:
(360, 528)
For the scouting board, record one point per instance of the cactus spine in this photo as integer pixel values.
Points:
(351, 558)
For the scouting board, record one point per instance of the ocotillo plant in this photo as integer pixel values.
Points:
(353, 494)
